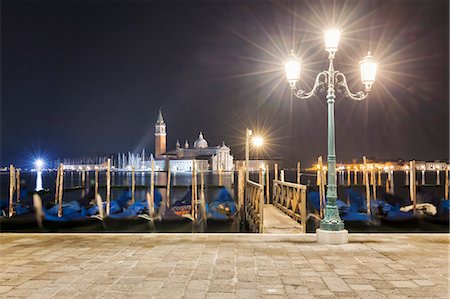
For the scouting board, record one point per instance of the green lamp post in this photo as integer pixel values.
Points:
(331, 227)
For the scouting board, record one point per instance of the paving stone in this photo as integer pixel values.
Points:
(222, 266)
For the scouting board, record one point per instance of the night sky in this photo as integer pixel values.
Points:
(87, 78)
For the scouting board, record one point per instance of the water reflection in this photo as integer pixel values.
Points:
(39, 181)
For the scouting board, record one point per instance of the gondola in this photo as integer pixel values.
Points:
(135, 217)
(74, 217)
(221, 213)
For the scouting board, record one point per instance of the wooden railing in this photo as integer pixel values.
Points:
(254, 206)
(291, 199)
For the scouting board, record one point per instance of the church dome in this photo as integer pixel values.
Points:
(200, 142)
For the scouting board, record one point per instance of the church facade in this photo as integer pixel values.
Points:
(208, 158)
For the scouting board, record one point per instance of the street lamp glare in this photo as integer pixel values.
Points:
(292, 67)
(332, 37)
(368, 71)
(39, 163)
(258, 141)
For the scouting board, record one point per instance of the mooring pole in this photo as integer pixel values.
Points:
(108, 187)
(133, 184)
(11, 190)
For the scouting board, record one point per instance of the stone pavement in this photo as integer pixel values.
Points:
(222, 266)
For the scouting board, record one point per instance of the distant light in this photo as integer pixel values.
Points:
(39, 163)
(258, 141)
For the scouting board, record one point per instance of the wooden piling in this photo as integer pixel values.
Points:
(423, 177)
(241, 189)
(276, 172)
(168, 184)
(446, 183)
(83, 179)
(57, 185)
(282, 175)
(298, 173)
(320, 184)
(438, 177)
(108, 187)
(17, 185)
(220, 177)
(379, 177)
(133, 184)
(61, 190)
(96, 181)
(260, 176)
(406, 176)
(366, 184)
(12, 185)
(151, 197)
(202, 196)
(193, 193)
(355, 176)
(373, 181)
(412, 184)
(267, 184)
(348, 177)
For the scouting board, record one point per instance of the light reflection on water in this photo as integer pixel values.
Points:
(39, 181)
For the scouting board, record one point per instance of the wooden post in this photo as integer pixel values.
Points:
(133, 184)
(202, 196)
(260, 176)
(379, 177)
(267, 184)
(446, 183)
(348, 177)
(366, 184)
(438, 177)
(220, 177)
(412, 184)
(83, 179)
(108, 188)
(151, 197)
(96, 180)
(11, 190)
(241, 188)
(320, 183)
(194, 188)
(18, 185)
(303, 211)
(298, 173)
(57, 185)
(275, 175)
(355, 177)
(282, 175)
(406, 177)
(423, 177)
(373, 181)
(168, 184)
(391, 181)
(61, 190)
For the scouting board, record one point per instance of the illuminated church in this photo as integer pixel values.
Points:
(214, 158)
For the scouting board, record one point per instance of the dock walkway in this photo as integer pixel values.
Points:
(277, 222)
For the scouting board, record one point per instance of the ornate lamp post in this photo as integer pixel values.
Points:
(331, 227)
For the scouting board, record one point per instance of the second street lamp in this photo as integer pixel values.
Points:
(331, 227)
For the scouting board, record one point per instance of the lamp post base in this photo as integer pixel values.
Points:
(332, 237)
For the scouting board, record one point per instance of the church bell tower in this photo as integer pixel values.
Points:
(160, 135)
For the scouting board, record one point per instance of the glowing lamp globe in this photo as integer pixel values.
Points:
(292, 67)
(258, 141)
(332, 37)
(368, 71)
